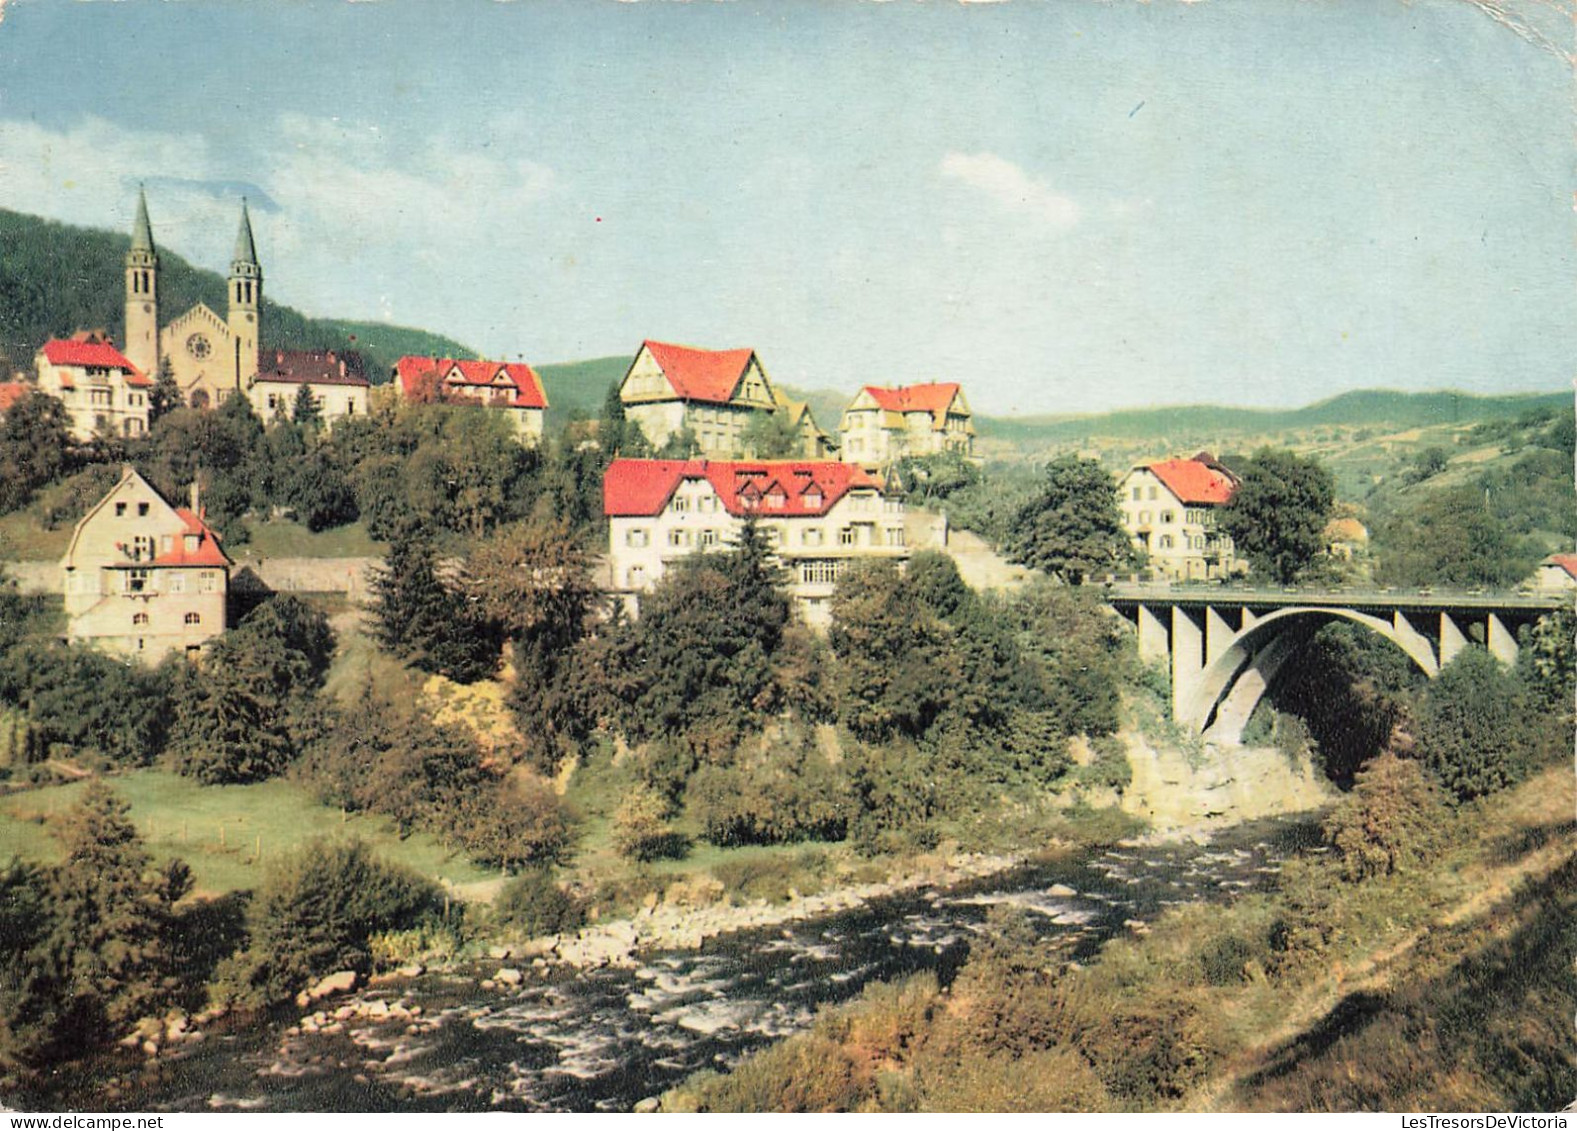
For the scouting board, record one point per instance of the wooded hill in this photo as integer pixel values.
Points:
(56, 279)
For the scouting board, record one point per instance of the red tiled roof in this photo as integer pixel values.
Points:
(59, 351)
(474, 375)
(311, 367)
(1194, 481)
(208, 552)
(935, 398)
(700, 375)
(636, 487)
(1567, 562)
(11, 392)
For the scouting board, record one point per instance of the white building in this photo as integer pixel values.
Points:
(334, 380)
(817, 515)
(883, 425)
(142, 578)
(1556, 574)
(510, 387)
(1170, 509)
(102, 390)
(714, 393)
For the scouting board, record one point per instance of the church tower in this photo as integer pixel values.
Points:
(142, 294)
(246, 301)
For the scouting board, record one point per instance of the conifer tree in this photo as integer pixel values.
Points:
(166, 393)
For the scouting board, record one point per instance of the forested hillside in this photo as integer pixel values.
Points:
(55, 279)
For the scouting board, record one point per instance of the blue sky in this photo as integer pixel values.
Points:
(1070, 206)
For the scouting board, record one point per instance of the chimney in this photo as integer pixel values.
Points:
(195, 509)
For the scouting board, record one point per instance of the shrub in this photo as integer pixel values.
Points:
(1473, 726)
(316, 913)
(1388, 822)
(641, 830)
(533, 904)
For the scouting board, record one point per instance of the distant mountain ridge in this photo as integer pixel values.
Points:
(1359, 408)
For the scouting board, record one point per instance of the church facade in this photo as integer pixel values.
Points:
(211, 357)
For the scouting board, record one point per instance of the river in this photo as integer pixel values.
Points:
(604, 1040)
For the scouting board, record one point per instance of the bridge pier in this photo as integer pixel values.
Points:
(1154, 640)
(1188, 659)
(1452, 639)
(1499, 640)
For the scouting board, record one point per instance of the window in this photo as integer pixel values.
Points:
(139, 618)
(678, 538)
(1167, 517)
(1153, 495)
(706, 504)
(708, 537)
(848, 537)
(142, 548)
(895, 536)
(812, 500)
(1165, 542)
(136, 580)
(142, 510)
(175, 580)
(681, 504)
(194, 618)
(120, 510)
(812, 536)
(637, 537)
(206, 581)
(637, 576)
(1144, 517)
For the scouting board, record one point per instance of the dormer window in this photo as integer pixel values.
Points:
(192, 542)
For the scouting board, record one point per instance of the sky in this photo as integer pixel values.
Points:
(1069, 206)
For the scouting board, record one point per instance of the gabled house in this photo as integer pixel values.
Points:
(101, 389)
(333, 379)
(714, 393)
(509, 387)
(883, 425)
(813, 442)
(142, 578)
(1556, 574)
(818, 515)
(1170, 510)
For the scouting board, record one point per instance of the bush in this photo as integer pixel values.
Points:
(1473, 726)
(316, 913)
(1388, 822)
(780, 797)
(641, 830)
(533, 904)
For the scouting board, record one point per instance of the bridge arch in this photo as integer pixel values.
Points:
(1229, 687)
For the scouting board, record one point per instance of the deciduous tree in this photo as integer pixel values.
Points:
(1074, 528)
(1277, 515)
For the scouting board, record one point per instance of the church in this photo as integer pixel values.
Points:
(211, 357)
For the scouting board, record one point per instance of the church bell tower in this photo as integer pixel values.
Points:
(246, 302)
(142, 294)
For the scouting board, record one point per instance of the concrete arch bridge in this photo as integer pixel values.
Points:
(1225, 646)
